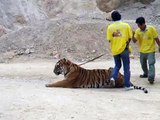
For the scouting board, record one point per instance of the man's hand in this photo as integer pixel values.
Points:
(158, 43)
(133, 32)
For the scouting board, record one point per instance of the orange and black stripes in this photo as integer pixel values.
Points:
(78, 77)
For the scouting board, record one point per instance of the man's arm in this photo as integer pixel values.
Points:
(108, 34)
(133, 38)
(158, 42)
(127, 43)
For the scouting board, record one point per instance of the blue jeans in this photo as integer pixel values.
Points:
(124, 57)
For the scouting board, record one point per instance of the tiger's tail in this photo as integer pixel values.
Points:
(141, 88)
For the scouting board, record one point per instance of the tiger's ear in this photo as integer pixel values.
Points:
(68, 62)
(64, 59)
(110, 69)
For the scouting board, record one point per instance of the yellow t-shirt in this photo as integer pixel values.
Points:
(118, 33)
(146, 39)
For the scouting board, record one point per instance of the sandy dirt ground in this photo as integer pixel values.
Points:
(23, 95)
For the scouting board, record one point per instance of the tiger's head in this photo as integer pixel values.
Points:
(62, 66)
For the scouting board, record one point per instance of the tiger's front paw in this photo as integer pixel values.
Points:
(47, 85)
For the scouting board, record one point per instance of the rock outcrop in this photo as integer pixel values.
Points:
(75, 29)
(109, 5)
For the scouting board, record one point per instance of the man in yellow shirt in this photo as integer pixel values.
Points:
(119, 35)
(146, 35)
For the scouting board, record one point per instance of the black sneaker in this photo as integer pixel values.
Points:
(151, 81)
(143, 76)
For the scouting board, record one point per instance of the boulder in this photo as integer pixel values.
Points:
(109, 5)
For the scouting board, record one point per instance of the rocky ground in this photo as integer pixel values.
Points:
(23, 95)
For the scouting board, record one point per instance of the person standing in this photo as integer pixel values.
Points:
(146, 35)
(119, 35)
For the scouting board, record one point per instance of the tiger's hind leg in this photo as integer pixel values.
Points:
(63, 83)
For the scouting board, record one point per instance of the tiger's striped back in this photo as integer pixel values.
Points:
(78, 77)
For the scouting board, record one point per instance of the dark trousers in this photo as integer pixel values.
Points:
(150, 57)
(124, 58)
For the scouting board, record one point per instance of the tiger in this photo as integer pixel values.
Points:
(76, 76)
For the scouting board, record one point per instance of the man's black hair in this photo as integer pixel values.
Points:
(140, 20)
(116, 16)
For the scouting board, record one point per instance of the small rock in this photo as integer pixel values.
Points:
(57, 56)
(93, 51)
(27, 51)
(2, 30)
